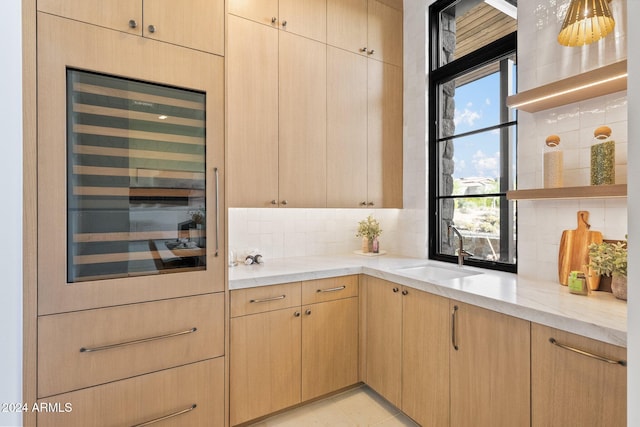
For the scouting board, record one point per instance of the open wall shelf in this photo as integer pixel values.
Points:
(601, 81)
(586, 192)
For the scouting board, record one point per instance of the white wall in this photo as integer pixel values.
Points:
(633, 305)
(11, 212)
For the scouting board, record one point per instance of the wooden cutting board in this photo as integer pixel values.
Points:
(574, 251)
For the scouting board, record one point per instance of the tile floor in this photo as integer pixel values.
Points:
(356, 407)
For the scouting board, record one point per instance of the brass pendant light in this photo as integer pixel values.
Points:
(587, 21)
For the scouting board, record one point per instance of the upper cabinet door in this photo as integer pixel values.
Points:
(198, 24)
(385, 33)
(385, 135)
(130, 168)
(252, 119)
(347, 25)
(263, 11)
(121, 15)
(346, 129)
(302, 122)
(307, 18)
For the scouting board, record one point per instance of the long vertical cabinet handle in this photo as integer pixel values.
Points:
(217, 200)
(453, 328)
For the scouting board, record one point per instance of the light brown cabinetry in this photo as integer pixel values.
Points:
(384, 339)
(490, 368)
(384, 118)
(329, 335)
(128, 331)
(425, 357)
(302, 118)
(306, 18)
(277, 117)
(265, 360)
(367, 27)
(364, 131)
(570, 386)
(291, 343)
(310, 124)
(196, 24)
(384, 28)
(252, 119)
(189, 395)
(85, 348)
(471, 372)
(64, 44)
(407, 353)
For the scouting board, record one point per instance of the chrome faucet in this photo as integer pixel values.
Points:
(461, 252)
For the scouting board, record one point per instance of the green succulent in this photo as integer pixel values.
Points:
(608, 258)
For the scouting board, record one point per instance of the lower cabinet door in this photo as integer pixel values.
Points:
(265, 363)
(490, 366)
(329, 347)
(573, 388)
(190, 395)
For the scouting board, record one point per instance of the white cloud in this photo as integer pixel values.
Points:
(485, 165)
(487, 101)
(467, 117)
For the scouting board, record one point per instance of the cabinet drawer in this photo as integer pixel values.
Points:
(196, 389)
(264, 298)
(85, 348)
(321, 290)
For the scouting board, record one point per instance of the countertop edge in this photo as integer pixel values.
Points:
(534, 310)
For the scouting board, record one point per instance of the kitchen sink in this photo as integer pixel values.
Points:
(431, 272)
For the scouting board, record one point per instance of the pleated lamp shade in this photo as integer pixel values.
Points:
(587, 21)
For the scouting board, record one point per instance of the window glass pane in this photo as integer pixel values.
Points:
(472, 164)
(479, 220)
(468, 25)
(136, 178)
(473, 101)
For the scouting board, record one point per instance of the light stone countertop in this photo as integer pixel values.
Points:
(599, 316)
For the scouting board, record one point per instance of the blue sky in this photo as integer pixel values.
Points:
(477, 107)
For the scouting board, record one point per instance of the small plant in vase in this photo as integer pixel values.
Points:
(610, 259)
(197, 216)
(369, 229)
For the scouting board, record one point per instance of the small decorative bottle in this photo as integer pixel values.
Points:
(553, 160)
(376, 245)
(603, 158)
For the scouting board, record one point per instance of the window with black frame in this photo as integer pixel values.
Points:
(472, 133)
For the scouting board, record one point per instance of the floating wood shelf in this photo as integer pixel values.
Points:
(586, 192)
(601, 81)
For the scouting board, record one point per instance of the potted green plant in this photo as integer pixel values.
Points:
(610, 259)
(369, 229)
